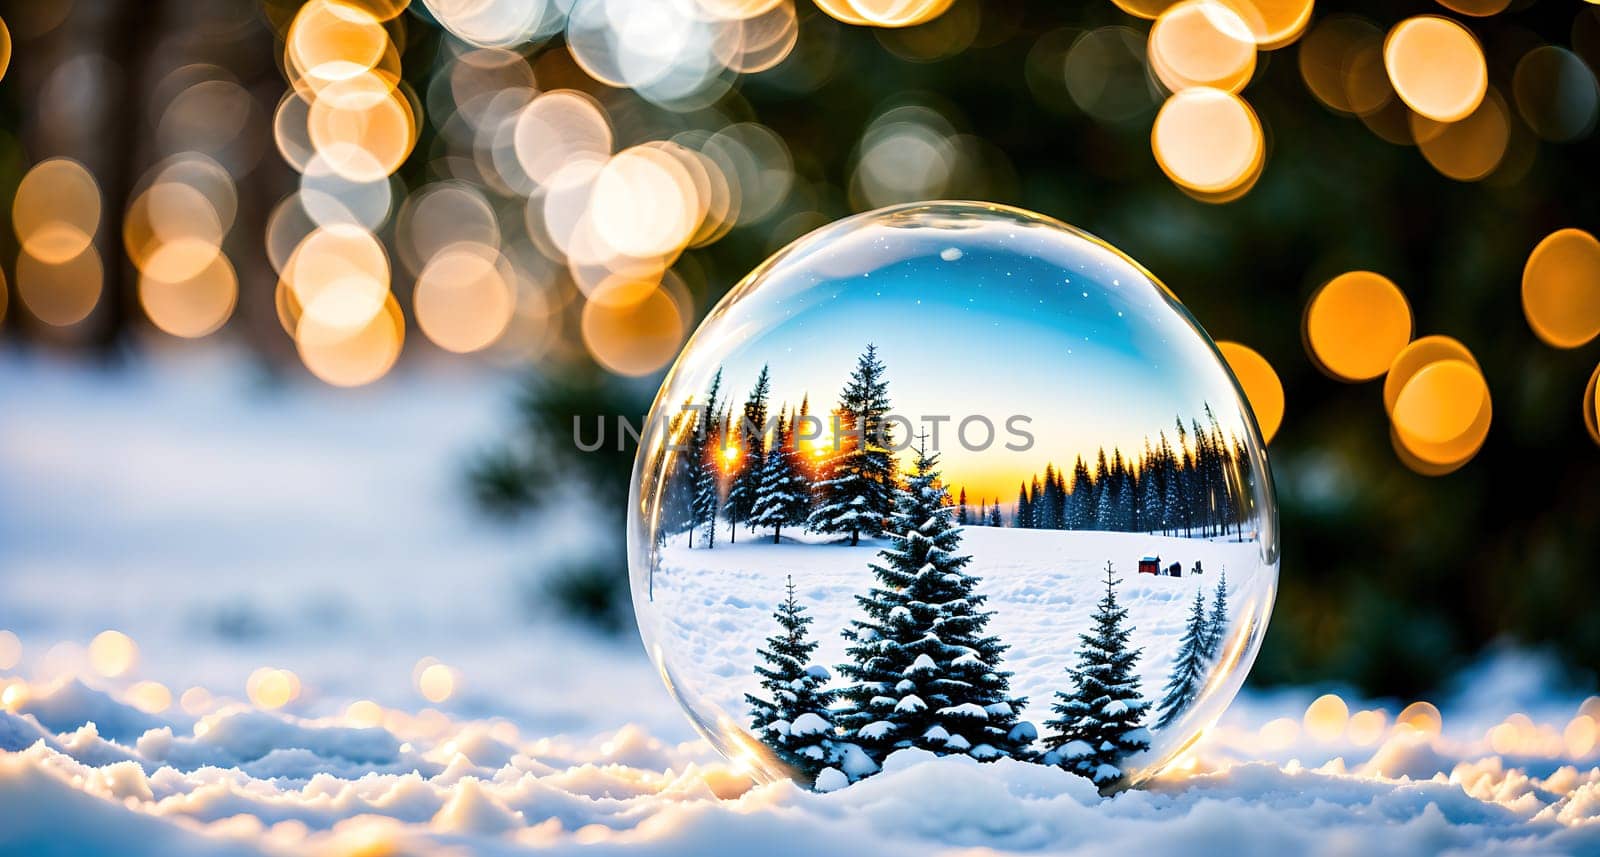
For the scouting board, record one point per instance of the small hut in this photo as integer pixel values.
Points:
(1150, 565)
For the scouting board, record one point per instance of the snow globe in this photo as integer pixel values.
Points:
(951, 478)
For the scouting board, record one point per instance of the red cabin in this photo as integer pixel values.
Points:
(1150, 565)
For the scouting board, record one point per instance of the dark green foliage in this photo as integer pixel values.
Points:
(1098, 722)
(923, 673)
(793, 718)
(1195, 652)
(855, 491)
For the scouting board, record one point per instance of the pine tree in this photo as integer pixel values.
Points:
(923, 673)
(750, 462)
(1098, 722)
(962, 517)
(783, 497)
(1024, 516)
(794, 718)
(1080, 509)
(1189, 669)
(994, 514)
(1219, 616)
(705, 446)
(856, 492)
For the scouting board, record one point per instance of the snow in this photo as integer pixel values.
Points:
(809, 723)
(712, 607)
(120, 507)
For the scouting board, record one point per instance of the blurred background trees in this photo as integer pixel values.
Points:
(1390, 578)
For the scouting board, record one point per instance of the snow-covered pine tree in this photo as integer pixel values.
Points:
(922, 671)
(1150, 491)
(962, 517)
(749, 464)
(1045, 511)
(1058, 488)
(1189, 667)
(794, 718)
(1098, 723)
(994, 514)
(1178, 487)
(1024, 517)
(855, 493)
(784, 496)
(1219, 616)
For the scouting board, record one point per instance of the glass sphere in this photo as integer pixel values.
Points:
(953, 478)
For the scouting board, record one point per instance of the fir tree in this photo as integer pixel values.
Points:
(704, 454)
(1098, 722)
(962, 517)
(1024, 516)
(784, 495)
(1219, 616)
(856, 492)
(1189, 669)
(923, 673)
(750, 462)
(994, 514)
(794, 717)
(1080, 510)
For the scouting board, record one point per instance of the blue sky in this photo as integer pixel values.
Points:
(997, 321)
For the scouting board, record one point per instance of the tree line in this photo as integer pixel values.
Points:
(1195, 487)
(922, 672)
(747, 468)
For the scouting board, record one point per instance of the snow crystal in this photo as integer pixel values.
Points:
(951, 254)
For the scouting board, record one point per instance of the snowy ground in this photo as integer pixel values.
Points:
(226, 525)
(714, 607)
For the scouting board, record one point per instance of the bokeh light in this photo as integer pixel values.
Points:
(1437, 67)
(112, 653)
(1326, 718)
(465, 297)
(1209, 142)
(1202, 43)
(1561, 288)
(1261, 386)
(1413, 357)
(1337, 59)
(64, 293)
(1421, 717)
(1471, 148)
(436, 682)
(632, 329)
(1356, 324)
(151, 697)
(271, 688)
(56, 211)
(1273, 23)
(1556, 94)
(1440, 401)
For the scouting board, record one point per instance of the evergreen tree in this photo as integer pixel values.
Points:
(1150, 517)
(1098, 722)
(962, 517)
(1080, 511)
(1219, 616)
(1058, 520)
(750, 463)
(783, 497)
(704, 446)
(994, 514)
(1045, 512)
(1189, 669)
(794, 718)
(923, 673)
(856, 492)
(1024, 517)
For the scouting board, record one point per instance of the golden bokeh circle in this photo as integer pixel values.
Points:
(195, 306)
(60, 294)
(1207, 140)
(1417, 354)
(1273, 23)
(1437, 67)
(1440, 402)
(632, 330)
(1201, 43)
(56, 210)
(1355, 324)
(1561, 288)
(352, 356)
(465, 297)
(1467, 150)
(1262, 388)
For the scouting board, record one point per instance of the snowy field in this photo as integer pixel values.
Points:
(715, 606)
(226, 524)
